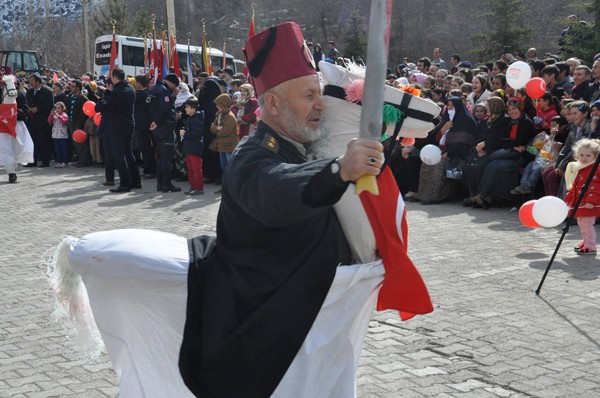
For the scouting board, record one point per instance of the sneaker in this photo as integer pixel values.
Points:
(578, 247)
(194, 192)
(584, 251)
(171, 188)
(58, 165)
(521, 189)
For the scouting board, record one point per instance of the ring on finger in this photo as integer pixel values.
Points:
(372, 160)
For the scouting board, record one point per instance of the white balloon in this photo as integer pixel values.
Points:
(550, 211)
(431, 155)
(518, 74)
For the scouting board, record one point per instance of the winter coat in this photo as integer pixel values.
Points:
(227, 136)
(140, 111)
(43, 100)
(75, 111)
(119, 104)
(59, 124)
(592, 195)
(248, 117)
(193, 142)
(546, 116)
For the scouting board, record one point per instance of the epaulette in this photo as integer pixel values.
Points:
(270, 143)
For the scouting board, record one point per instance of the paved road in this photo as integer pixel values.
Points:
(490, 335)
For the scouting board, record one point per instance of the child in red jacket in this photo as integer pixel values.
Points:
(585, 151)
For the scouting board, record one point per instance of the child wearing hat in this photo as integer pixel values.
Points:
(225, 127)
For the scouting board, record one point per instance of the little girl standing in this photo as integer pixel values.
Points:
(60, 134)
(585, 152)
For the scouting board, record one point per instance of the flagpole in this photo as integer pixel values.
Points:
(224, 57)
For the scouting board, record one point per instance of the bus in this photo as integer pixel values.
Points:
(131, 55)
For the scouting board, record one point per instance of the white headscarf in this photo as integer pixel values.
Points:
(182, 95)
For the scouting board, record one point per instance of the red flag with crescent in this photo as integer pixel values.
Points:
(8, 119)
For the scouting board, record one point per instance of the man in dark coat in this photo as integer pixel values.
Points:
(41, 102)
(252, 302)
(206, 94)
(119, 104)
(77, 121)
(162, 125)
(143, 135)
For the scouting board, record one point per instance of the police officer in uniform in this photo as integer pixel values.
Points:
(162, 114)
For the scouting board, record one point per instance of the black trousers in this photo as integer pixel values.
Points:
(41, 135)
(164, 136)
(129, 173)
(146, 147)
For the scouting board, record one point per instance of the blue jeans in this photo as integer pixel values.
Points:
(224, 157)
(61, 150)
(531, 175)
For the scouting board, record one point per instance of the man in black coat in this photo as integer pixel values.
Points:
(252, 302)
(119, 103)
(206, 94)
(143, 135)
(77, 121)
(161, 106)
(41, 102)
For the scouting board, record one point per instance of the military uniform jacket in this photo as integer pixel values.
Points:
(253, 299)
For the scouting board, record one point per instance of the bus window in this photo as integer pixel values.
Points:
(14, 61)
(133, 56)
(30, 62)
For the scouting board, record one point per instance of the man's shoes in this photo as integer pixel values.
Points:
(44, 164)
(584, 251)
(194, 192)
(171, 188)
(149, 176)
(136, 185)
(12, 177)
(119, 189)
(108, 183)
(219, 192)
(31, 165)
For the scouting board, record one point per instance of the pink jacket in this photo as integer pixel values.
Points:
(60, 125)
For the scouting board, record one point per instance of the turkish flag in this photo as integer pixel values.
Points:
(8, 119)
(403, 288)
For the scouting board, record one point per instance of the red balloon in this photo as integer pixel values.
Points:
(526, 214)
(535, 87)
(79, 136)
(97, 118)
(89, 108)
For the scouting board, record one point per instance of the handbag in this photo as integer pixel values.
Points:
(454, 169)
(504, 153)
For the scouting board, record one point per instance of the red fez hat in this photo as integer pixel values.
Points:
(277, 55)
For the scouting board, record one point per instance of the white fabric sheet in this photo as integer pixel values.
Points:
(19, 150)
(136, 281)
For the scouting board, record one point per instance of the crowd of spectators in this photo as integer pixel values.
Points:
(498, 143)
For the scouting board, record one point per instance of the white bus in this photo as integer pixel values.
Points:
(131, 55)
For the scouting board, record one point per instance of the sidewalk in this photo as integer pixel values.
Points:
(489, 336)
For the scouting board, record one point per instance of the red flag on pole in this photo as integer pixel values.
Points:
(175, 57)
(113, 53)
(154, 57)
(250, 34)
(403, 288)
(55, 78)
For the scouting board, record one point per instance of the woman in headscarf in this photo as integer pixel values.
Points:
(455, 135)
(489, 140)
(245, 110)
(511, 156)
(179, 164)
